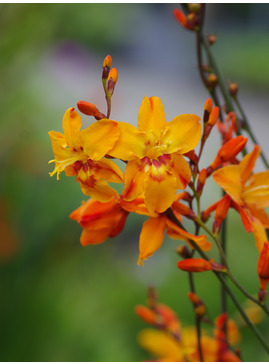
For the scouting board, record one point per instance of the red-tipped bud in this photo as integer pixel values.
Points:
(211, 38)
(263, 270)
(107, 62)
(194, 265)
(201, 181)
(183, 251)
(199, 307)
(192, 156)
(112, 80)
(221, 211)
(183, 210)
(207, 109)
(214, 115)
(233, 88)
(229, 151)
(212, 80)
(106, 67)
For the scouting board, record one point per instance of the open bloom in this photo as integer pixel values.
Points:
(154, 151)
(81, 153)
(101, 220)
(249, 193)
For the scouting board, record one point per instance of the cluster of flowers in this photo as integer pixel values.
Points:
(155, 170)
(168, 341)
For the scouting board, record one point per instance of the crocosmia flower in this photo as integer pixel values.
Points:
(249, 193)
(81, 153)
(154, 151)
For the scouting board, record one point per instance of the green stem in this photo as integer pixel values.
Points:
(249, 131)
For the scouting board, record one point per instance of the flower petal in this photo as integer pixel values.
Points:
(151, 115)
(98, 189)
(248, 162)
(161, 344)
(99, 138)
(229, 178)
(93, 237)
(180, 167)
(71, 126)
(130, 144)
(134, 180)
(151, 237)
(107, 169)
(256, 193)
(160, 189)
(183, 133)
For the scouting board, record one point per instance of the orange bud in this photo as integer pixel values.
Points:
(229, 150)
(199, 307)
(214, 115)
(201, 180)
(194, 265)
(221, 211)
(146, 314)
(183, 210)
(107, 62)
(112, 80)
(87, 108)
(192, 156)
(208, 105)
(180, 17)
(263, 266)
(206, 213)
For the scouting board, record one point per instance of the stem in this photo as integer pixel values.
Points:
(249, 131)
(223, 295)
(197, 319)
(219, 275)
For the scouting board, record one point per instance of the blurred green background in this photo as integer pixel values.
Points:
(62, 302)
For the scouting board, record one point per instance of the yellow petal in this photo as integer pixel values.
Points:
(151, 115)
(134, 180)
(180, 167)
(229, 179)
(151, 237)
(107, 169)
(160, 344)
(130, 144)
(138, 206)
(248, 162)
(259, 233)
(160, 189)
(98, 189)
(256, 193)
(175, 232)
(183, 133)
(71, 126)
(99, 138)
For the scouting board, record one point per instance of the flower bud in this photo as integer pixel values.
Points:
(211, 38)
(106, 67)
(194, 265)
(207, 109)
(199, 306)
(183, 251)
(221, 212)
(146, 314)
(112, 80)
(212, 80)
(201, 181)
(214, 115)
(194, 8)
(87, 108)
(233, 88)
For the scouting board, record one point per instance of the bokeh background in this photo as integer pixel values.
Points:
(62, 302)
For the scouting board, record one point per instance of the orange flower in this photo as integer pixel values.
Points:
(80, 153)
(155, 165)
(249, 199)
(99, 220)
